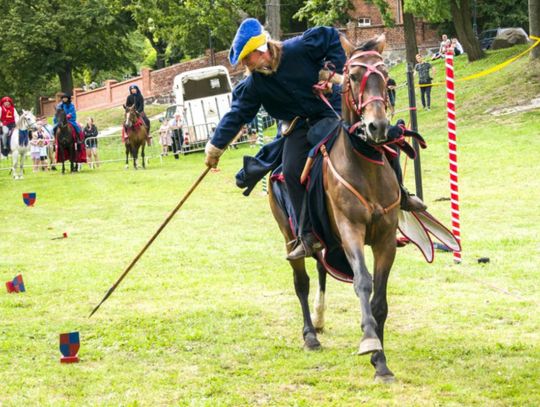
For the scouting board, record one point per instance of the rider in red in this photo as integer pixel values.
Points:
(8, 121)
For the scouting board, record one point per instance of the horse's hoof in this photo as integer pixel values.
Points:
(127, 167)
(319, 330)
(369, 345)
(311, 342)
(384, 379)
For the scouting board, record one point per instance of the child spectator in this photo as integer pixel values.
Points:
(35, 151)
(252, 138)
(43, 146)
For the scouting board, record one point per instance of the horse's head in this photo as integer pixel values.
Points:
(61, 117)
(131, 116)
(27, 120)
(364, 89)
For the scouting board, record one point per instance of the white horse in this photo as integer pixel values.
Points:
(20, 142)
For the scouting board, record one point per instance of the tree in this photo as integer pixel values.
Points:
(184, 28)
(409, 30)
(153, 20)
(534, 25)
(45, 38)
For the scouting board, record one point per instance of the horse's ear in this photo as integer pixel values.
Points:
(347, 46)
(381, 42)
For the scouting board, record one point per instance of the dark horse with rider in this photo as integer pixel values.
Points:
(69, 138)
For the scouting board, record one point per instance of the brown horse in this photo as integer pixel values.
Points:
(136, 135)
(362, 201)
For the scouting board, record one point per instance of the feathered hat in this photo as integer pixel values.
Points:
(249, 37)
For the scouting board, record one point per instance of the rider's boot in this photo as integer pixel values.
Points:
(305, 246)
(411, 203)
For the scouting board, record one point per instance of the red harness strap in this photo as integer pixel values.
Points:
(369, 206)
(352, 103)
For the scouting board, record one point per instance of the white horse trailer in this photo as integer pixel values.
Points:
(203, 96)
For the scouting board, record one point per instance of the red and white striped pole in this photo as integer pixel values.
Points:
(452, 149)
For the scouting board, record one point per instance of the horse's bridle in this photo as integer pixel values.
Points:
(357, 105)
(63, 124)
(136, 114)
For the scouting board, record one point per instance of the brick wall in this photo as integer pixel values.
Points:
(365, 10)
(395, 37)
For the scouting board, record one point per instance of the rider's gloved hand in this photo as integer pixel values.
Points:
(212, 155)
(69, 116)
(396, 135)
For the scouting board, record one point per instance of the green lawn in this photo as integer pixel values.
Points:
(209, 317)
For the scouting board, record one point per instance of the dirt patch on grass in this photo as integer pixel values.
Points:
(521, 107)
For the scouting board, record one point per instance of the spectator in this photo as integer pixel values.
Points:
(165, 138)
(456, 47)
(47, 131)
(252, 138)
(43, 146)
(90, 139)
(424, 79)
(443, 46)
(391, 88)
(177, 136)
(35, 151)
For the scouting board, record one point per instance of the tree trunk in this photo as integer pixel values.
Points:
(273, 20)
(160, 46)
(66, 79)
(409, 28)
(534, 25)
(461, 15)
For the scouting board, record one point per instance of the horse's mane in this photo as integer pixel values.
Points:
(367, 46)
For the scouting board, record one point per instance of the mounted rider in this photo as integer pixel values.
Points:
(71, 114)
(136, 99)
(281, 78)
(8, 121)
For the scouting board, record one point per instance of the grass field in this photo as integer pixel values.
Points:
(209, 316)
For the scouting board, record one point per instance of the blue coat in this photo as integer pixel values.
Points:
(69, 109)
(287, 93)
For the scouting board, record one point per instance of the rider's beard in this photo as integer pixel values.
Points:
(265, 70)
